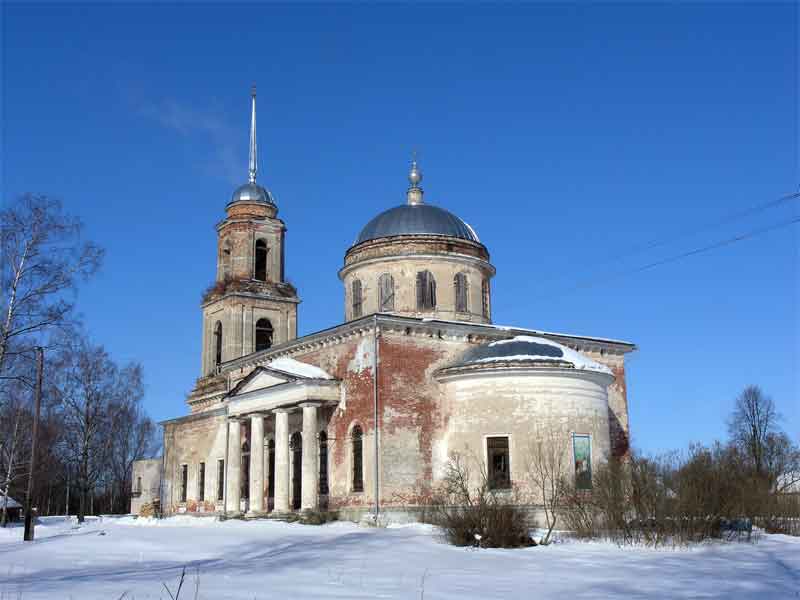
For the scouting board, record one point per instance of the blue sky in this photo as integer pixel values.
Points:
(567, 135)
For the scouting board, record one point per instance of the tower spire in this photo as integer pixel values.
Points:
(414, 193)
(253, 167)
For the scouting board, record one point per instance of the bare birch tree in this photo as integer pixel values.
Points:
(42, 258)
(14, 429)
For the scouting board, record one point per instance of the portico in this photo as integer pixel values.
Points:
(285, 409)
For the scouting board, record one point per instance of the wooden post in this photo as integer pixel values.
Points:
(28, 537)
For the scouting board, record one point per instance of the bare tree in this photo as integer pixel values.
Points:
(41, 258)
(94, 394)
(14, 429)
(547, 464)
(134, 439)
(754, 429)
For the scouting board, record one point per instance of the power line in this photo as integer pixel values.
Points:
(714, 246)
(753, 210)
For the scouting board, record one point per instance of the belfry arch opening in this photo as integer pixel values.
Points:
(264, 333)
(218, 344)
(260, 270)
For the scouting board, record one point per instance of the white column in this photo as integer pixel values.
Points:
(256, 464)
(233, 467)
(281, 460)
(310, 483)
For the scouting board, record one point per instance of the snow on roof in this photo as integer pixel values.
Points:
(11, 502)
(301, 369)
(529, 348)
(525, 329)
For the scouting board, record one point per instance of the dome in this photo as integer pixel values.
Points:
(416, 219)
(252, 192)
(528, 349)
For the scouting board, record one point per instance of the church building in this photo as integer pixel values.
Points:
(361, 418)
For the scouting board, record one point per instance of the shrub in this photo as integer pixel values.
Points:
(473, 514)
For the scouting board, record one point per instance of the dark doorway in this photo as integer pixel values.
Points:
(271, 475)
(245, 472)
(296, 446)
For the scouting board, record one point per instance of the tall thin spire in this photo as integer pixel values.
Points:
(414, 193)
(253, 146)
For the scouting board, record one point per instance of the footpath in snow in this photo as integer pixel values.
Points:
(106, 558)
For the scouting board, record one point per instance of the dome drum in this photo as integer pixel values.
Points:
(420, 244)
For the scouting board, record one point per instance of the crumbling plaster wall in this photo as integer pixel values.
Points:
(190, 441)
(149, 470)
(550, 406)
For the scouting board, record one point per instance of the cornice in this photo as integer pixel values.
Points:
(456, 258)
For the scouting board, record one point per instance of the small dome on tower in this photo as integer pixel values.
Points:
(252, 192)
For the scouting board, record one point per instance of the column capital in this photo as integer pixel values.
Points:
(311, 404)
(279, 411)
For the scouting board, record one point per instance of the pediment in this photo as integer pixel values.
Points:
(261, 378)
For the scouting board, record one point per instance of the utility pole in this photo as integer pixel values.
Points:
(38, 404)
(66, 510)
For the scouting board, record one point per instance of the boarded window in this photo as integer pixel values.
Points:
(323, 463)
(582, 451)
(184, 481)
(485, 298)
(358, 300)
(358, 459)
(218, 344)
(263, 334)
(460, 285)
(220, 479)
(201, 482)
(426, 291)
(260, 271)
(499, 469)
(386, 291)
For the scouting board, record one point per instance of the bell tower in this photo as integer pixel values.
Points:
(250, 306)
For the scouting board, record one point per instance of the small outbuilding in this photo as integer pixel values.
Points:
(12, 507)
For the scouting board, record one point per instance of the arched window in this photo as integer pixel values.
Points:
(260, 271)
(358, 459)
(386, 292)
(263, 334)
(426, 291)
(460, 285)
(485, 298)
(218, 344)
(358, 300)
(323, 463)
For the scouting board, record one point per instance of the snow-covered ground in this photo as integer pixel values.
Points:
(109, 557)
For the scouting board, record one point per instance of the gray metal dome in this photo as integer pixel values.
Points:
(252, 192)
(528, 349)
(411, 219)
